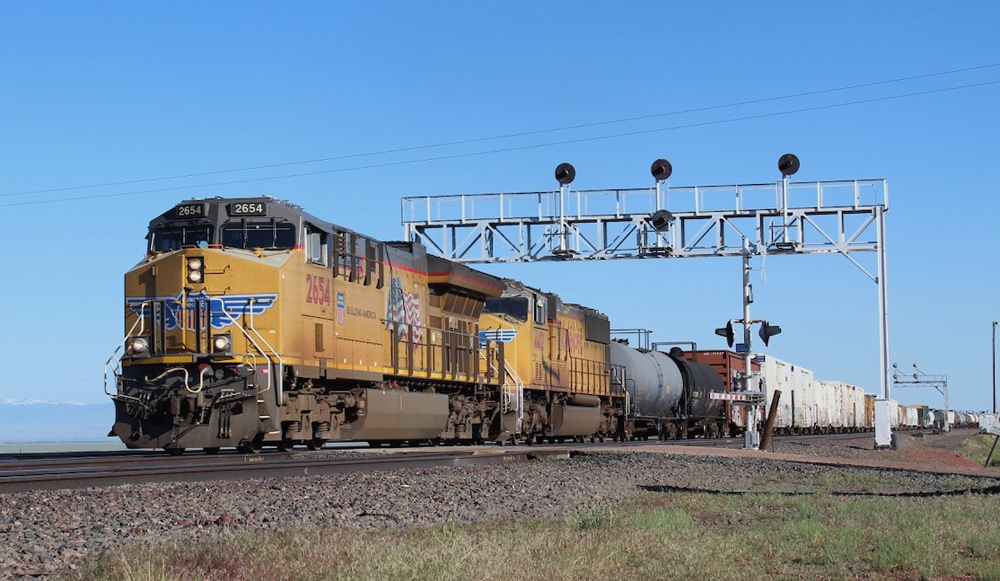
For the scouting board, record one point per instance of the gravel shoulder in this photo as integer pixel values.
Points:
(917, 451)
(45, 532)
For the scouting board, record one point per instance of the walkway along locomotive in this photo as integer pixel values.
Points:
(252, 322)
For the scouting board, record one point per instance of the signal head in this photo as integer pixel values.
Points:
(660, 220)
(767, 331)
(661, 170)
(788, 164)
(565, 173)
(727, 332)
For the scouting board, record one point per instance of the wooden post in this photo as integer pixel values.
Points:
(990, 455)
(772, 415)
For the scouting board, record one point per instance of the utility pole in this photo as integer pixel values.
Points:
(994, 368)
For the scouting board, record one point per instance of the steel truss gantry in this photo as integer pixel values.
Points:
(784, 217)
(921, 379)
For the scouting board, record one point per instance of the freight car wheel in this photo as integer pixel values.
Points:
(174, 451)
(285, 446)
(211, 450)
(316, 444)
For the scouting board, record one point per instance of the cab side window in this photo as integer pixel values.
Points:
(539, 310)
(317, 246)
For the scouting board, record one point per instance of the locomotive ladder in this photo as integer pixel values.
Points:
(276, 364)
(511, 391)
(513, 402)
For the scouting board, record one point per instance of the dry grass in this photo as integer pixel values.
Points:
(978, 447)
(655, 536)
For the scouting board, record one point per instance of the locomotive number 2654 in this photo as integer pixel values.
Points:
(318, 290)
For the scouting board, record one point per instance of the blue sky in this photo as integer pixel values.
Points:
(103, 92)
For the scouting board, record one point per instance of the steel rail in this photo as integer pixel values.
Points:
(62, 472)
(250, 467)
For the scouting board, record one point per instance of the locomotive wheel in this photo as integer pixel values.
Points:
(174, 451)
(211, 450)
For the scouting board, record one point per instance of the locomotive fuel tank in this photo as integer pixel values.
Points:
(653, 380)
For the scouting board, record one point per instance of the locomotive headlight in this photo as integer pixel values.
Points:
(222, 344)
(139, 347)
(196, 269)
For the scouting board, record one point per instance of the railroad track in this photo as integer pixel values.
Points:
(77, 470)
(66, 474)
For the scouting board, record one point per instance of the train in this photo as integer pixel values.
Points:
(250, 322)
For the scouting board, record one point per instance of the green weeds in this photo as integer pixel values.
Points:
(978, 447)
(654, 536)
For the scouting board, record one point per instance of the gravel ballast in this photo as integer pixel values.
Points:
(46, 531)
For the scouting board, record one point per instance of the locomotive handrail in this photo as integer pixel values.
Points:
(449, 364)
(505, 397)
(139, 319)
(490, 364)
(628, 394)
(270, 363)
(619, 203)
(519, 388)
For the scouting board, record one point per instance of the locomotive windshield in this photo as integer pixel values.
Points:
(266, 235)
(516, 307)
(168, 239)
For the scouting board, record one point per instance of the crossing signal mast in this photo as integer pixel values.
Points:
(783, 217)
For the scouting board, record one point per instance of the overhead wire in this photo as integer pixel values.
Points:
(507, 135)
(512, 148)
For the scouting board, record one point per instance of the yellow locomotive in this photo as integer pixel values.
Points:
(557, 355)
(252, 322)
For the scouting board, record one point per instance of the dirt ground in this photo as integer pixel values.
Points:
(918, 450)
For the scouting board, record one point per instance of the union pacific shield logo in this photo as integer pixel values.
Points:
(223, 309)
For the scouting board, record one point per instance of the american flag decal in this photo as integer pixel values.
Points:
(403, 308)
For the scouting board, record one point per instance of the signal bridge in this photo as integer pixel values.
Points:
(921, 379)
(657, 222)
(784, 217)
